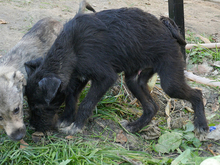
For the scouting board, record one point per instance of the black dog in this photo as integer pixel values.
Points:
(98, 46)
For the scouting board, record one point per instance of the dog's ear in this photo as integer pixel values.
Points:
(16, 78)
(32, 65)
(49, 86)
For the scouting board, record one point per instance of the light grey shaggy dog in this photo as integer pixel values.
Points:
(34, 44)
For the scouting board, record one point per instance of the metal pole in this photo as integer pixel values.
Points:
(176, 12)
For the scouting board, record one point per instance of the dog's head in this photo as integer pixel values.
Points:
(44, 97)
(11, 103)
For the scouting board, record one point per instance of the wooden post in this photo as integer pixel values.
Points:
(176, 12)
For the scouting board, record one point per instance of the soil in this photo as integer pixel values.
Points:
(201, 17)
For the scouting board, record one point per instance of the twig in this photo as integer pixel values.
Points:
(208, 148)
(209, 45)
(201, 80)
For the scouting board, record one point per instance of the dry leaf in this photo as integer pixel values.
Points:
(206, 40)
(69, 137)
(189, 109)
(204, 101)
(151, 83)
(133, 101)
(121, 138)
(2, 21)
(215, 106)
(152, 131)
(168, 122)
(168, 108)
(216, 63)
(23, 144)
(36, 136)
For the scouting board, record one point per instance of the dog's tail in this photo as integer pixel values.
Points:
(85, 5)
(171, 25)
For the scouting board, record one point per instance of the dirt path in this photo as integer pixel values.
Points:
(202, 17)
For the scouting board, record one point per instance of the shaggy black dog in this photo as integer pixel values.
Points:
(96, 47)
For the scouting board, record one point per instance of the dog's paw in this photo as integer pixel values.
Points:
(201, 134)
(125, 125)
(70, 130)
(201, 129)
(63, 124)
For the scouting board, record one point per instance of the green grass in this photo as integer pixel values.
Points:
(200, 54)
(75, 151)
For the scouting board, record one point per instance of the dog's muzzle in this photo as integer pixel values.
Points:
(18, 134)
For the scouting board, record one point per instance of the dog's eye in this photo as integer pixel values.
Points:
(1, 118)
(16, 111)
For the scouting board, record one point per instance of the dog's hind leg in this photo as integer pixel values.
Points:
(139, 89)
(174, 84)
(97, 90)
(74, 89)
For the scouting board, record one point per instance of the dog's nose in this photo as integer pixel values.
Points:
(18, 134)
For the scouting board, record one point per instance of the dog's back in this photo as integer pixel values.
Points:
(35, 43)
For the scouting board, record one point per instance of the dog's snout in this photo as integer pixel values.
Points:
(18, 134)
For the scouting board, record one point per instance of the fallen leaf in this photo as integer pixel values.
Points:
(168, 141)
(168, 122)
(189, 127)
(204, 101)
(3, 21)
(69, 137)
(151, 132)
(168, 108)
(182, 158)
(147, 3)
(36, 136)
(216, 63)
(133, 101)
(206, 40)
(198, 88)
(23, 144)
(189, 109)
(215, 106)
(121, 138)
(151, 83)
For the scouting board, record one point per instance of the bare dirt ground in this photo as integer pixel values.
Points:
(201, 17)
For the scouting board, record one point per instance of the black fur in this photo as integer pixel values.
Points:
(98, 46)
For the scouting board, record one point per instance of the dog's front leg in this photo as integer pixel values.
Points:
(96, 91)
(72, 93)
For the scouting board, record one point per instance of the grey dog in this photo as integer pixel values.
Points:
(35, 43)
